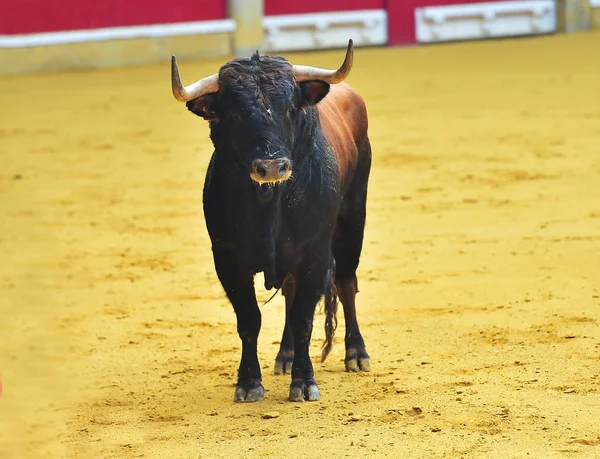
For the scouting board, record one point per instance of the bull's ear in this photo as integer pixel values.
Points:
(204, 106)
(311, 93)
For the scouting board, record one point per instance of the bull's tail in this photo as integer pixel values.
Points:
(331, 307)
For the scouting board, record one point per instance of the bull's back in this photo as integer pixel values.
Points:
(343, 116)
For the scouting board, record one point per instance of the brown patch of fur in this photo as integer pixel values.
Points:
(343, 116)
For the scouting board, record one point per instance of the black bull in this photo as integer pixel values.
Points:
(285, 194)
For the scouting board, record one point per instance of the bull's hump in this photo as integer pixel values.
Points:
(344, 119)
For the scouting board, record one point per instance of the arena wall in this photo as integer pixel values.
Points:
(37, 35)
(595, 5)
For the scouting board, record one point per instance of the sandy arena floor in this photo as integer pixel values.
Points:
(480, 292)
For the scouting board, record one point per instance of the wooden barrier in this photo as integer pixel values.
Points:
(41, 36)
(573, 15)
(596, 16)
(37, 35)
(112, 53)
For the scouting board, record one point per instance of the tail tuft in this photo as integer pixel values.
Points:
(331, 307)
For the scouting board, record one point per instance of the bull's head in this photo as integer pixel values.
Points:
(254, 106)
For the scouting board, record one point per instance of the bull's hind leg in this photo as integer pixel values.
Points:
(285, 356)
(347, 246)
(347, 251)
(239, 287)
(357, 357)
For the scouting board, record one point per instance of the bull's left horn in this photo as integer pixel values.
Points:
(193, 91)
(305, 73)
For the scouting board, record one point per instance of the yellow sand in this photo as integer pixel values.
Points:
(480, 276)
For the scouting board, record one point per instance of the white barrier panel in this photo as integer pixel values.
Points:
(484, 20)
(117, 33)
(324, 30)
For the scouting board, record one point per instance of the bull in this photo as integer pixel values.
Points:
(285, 194)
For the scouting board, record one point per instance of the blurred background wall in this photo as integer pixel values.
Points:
(48, 35)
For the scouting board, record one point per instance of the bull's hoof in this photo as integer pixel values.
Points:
(301, 390)
(251, 392)
(357, 361)
(283, 362)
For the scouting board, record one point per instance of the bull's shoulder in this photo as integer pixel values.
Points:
(343, 116)
(345, 94)
(345, 99)
(345, 106)
(344, 110)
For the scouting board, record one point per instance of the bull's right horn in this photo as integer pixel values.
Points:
(195, 90)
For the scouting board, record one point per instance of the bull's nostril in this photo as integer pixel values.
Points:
(270, 170)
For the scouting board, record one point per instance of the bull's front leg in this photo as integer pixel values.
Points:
(239, 287)
(310, 285)
(285, 356)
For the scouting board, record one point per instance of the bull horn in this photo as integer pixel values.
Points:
(305, 73)
(195, 90)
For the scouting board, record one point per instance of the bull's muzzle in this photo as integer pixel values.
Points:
(271, 170)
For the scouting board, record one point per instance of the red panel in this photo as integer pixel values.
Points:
(30, 16)
(401, 21)
(422, 3)
(401, 17)
(276, 7)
